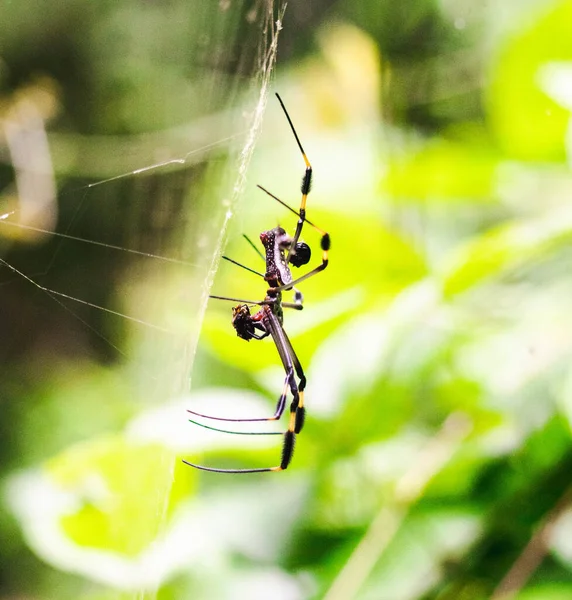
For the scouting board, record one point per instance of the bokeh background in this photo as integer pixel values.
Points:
(436, 459)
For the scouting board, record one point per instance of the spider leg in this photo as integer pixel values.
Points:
(214, 470)
(235, 432)
(253, 246)
(287, 446)
(298, 299)
(241, 300)
(234, 262)
(280, 405)
(295, 305)
(301, 411)
(306, 184)
(291, 364)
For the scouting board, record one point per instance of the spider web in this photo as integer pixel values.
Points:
(29, 211)
(113, 264)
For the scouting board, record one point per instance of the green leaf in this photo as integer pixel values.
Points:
(528, 123)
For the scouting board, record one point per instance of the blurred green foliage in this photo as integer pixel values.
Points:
(436, 457)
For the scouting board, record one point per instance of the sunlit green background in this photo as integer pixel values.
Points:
(436, 459)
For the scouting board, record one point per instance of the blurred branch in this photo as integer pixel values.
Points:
(533, 554)
(409, 488)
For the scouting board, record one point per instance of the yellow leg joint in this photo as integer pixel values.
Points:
(292, 422)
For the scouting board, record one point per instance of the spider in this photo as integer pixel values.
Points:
(281, 251)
